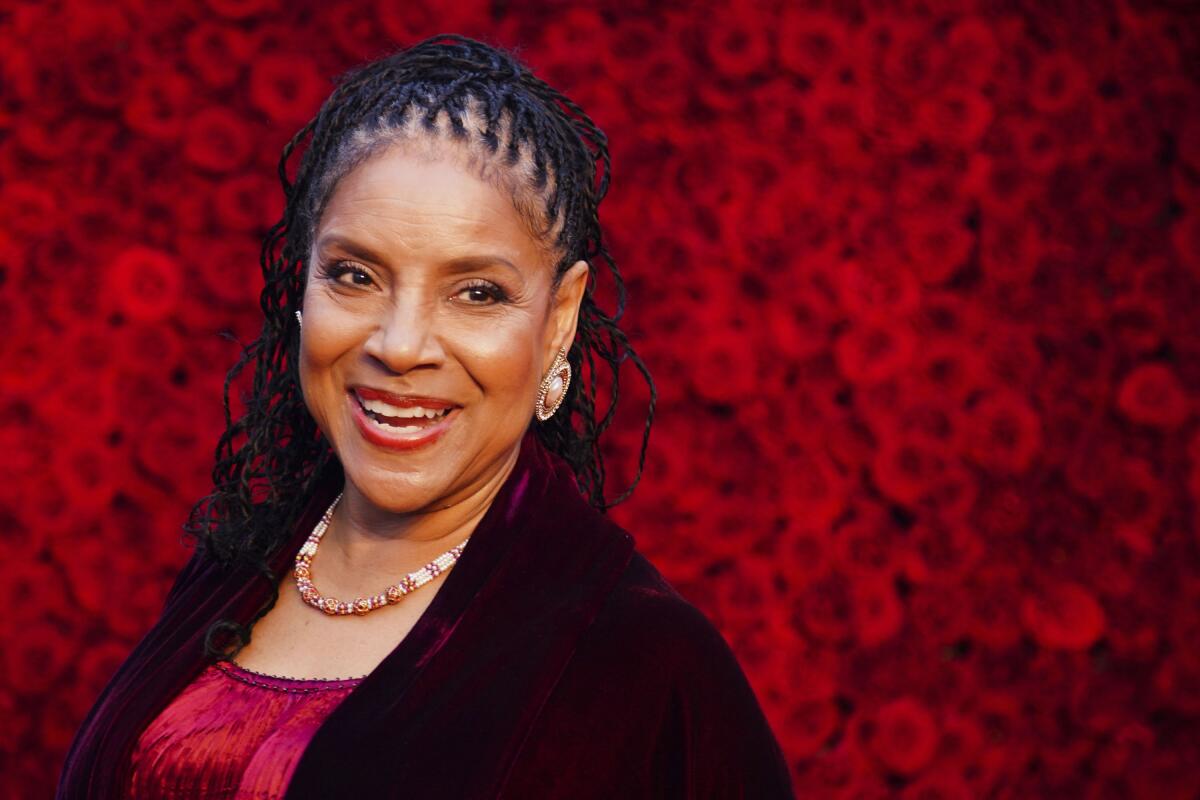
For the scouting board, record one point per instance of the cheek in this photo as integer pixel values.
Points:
(328, 335)
(500, 358)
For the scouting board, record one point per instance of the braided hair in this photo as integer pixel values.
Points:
(522, 135)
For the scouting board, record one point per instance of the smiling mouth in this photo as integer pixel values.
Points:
(401, 420)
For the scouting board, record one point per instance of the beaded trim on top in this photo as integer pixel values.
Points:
(390, 596)
(283, 683)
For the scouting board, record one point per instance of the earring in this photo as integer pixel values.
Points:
(299, 319)
(559, 376)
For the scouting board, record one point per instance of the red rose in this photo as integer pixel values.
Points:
(228, 269)
(872, 291)
(1004, 433)
(145, 283)
(1063, 616)
(287, 87)
(950, 368)
(942, 785)
(866, 545)
(825, 609)
(217, 139)
(1152, 395)
(913, 64)
(815, 487)
(938, 615)
(878, 613)
(844, 771)
(805, 554)
(169, 444)
(149, 347)
(726, 364)
(250, 202)
(993, 596)
(943, 553)
(51, 138)
(1134, 192)
(806, 726)
(406, 23)
(735, 42)
(1009, 249)
(103, 72)
(37, 655)
(746, 593)
(160, 104)
(1138, 323)
(88, 473)
(910, 468)
(871, 351)
(1135, 503)
(1058, 82)
(937, 244)
(904, 736)
(98, 664)
(29, 208)
(811, 41)
(956, 116)
(218, 53)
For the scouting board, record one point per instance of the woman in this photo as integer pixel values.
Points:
(458, 620)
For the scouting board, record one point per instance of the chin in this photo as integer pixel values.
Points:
(395, 491)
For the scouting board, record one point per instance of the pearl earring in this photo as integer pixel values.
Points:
(299, 319)
(557, 379)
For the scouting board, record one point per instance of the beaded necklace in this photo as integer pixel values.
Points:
(363, 605)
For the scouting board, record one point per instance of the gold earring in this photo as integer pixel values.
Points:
(558, 375)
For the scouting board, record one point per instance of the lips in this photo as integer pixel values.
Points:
(402, 400)
(400, 422)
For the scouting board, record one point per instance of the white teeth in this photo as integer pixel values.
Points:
(388, 410)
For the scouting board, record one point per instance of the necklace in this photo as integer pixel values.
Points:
(362, 605)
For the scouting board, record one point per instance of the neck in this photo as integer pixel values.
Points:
(367, 543)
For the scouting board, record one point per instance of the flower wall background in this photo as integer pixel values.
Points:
(917, 280)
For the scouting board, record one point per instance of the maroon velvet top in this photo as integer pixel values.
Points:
(231, 733)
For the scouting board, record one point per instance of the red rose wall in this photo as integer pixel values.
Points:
(918, 283)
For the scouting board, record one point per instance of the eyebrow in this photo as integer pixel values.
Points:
(460, 264)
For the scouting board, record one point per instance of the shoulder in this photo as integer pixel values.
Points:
(661, 655)
(645, 615)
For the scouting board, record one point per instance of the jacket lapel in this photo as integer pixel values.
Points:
(445, 714)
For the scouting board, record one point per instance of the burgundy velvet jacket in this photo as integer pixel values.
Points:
(554, 662)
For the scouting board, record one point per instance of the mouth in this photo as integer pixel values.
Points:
(400, 426)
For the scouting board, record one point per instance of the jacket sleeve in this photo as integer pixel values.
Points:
(185, 576)
(723, 742)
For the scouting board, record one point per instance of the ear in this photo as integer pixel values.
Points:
(563, 318)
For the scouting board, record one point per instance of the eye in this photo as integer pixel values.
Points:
(358, 276)
(482, 293)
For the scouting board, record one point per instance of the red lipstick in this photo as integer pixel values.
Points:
(401, 400)
(393, 437)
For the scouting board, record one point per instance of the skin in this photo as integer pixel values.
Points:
(390, 303)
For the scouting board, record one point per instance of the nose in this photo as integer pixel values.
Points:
(404, 337)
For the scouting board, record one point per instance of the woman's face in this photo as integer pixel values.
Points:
(427, 296)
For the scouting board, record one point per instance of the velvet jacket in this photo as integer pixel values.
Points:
(554, 662)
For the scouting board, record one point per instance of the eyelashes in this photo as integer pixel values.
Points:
(488, 289)
(480, 292)
(337, 269)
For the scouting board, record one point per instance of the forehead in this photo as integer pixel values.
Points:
(424, 198)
